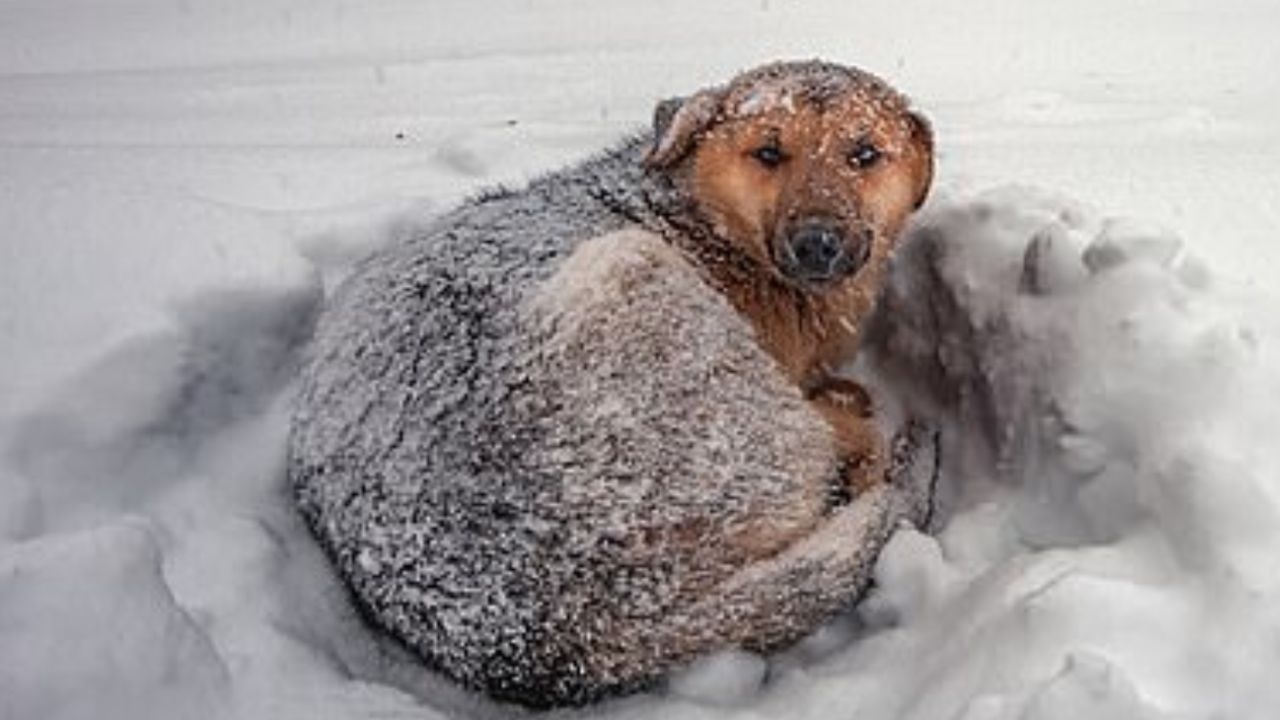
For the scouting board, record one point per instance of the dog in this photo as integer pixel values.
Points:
(810, 178)
(567, 438)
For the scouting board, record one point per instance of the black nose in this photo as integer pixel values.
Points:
(817, 251)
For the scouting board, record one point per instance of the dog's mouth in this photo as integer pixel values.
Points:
(816, 254)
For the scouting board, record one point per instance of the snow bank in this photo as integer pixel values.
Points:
(1116, 505)
(1105, 549)
(151, 564)
(132, 651)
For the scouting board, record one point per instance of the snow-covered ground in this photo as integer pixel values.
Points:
(180, 178)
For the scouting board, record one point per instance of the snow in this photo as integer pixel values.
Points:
(180, 181)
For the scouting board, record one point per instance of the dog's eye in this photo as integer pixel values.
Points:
(864, 155)
(769, 156)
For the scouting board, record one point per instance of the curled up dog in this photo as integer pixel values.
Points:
(567, 438)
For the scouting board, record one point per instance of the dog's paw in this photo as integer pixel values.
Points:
(843, 394)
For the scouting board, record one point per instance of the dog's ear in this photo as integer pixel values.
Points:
(677, 123)
(922, 135)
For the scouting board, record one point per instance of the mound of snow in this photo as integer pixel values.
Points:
(90, 629)
(1104, 545)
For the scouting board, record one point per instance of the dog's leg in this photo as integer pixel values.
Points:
(847, 408)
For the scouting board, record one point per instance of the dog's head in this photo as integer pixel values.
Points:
(809, 167)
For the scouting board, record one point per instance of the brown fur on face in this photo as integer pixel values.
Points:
(752, 204)
(784, 146)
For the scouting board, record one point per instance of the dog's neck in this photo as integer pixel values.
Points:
(802, 331)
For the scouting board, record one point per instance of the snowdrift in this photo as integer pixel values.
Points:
(1108, 520)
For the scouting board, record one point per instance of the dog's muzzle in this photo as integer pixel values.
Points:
(821, 251)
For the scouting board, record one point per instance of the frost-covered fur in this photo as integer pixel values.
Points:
(556, 463)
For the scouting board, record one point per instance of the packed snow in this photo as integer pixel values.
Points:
(1086, 303)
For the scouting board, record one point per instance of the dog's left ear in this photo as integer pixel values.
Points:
(677, 123)
(922, 135)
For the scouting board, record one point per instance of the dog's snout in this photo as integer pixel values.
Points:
(820, 251)
(817, 249)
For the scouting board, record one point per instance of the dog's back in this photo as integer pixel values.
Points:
(414, 445)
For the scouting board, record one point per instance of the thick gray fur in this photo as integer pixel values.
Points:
(533, 440)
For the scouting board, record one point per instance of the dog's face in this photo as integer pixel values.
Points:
(811, 169)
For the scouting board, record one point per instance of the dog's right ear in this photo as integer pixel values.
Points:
(922, 135)
(677, 123)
